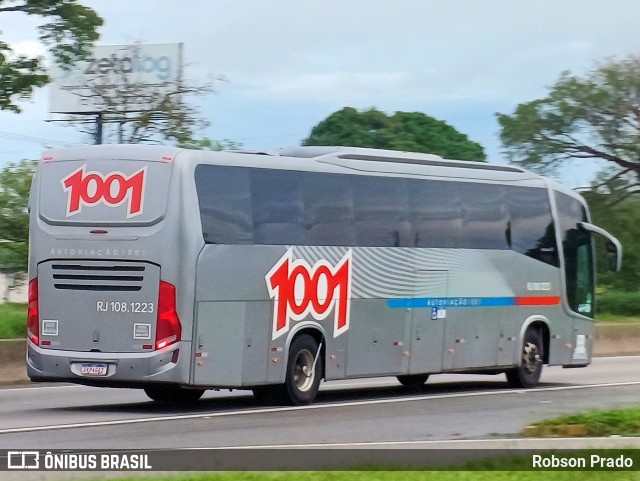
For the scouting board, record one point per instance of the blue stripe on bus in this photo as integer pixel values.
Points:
(427, 302)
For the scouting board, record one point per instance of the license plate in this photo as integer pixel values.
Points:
(93, 369)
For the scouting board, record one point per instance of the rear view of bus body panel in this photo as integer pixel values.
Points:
(98, 326)
(105, 273)
(100, 306)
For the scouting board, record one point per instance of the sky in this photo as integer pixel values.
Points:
(288, 64)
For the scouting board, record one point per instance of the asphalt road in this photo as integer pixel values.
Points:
(360, 413)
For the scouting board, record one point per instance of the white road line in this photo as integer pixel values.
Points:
(37, 388)
(310, 407)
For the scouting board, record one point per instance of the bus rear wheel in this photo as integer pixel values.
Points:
(303, 370)
(527, 374)
(176, 395)
(302, 379)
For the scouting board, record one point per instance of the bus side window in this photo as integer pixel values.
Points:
(277, 206)
(225, 204)
(485, 218)
(328, 210)
(380, 211)
(532, 230)
(434, 209)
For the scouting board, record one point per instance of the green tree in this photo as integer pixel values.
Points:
(622, 220)
(135, 112)
(408, 131)
(69, 30)
(207, 144)
(595, 117)
(15, 183)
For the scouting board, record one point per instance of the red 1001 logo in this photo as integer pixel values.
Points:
(299, 289)
(112, 189)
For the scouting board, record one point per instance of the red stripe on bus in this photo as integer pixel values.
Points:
(538, 301)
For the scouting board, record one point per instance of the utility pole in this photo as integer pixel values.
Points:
(98, 134)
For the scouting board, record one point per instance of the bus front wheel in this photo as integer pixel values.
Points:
(527, 374)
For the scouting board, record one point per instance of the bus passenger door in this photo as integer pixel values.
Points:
(427, 324)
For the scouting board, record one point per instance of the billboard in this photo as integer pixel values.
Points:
(157, 66)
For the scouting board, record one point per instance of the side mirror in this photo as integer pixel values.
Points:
(612, 257)
(614, 248)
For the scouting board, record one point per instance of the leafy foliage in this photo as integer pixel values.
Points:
(12, 320)
(70, 31)
(623, 221)
(15, 184)
(596, 117)
(618, 306)
(208, 144)
(408, 131)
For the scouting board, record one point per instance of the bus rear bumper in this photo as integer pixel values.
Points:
(110, 369)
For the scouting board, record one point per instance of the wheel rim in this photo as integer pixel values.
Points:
(303, 374)
(530, 357)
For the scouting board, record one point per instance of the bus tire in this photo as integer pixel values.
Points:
(527, 374)
(176, 395)
(299, 387)
(302, 379)
(413, 381)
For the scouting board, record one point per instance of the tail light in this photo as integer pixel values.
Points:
(168, 327)
(33, 321)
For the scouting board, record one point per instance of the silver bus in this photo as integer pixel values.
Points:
(177, 271)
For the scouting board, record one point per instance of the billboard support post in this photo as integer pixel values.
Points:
(98, 133)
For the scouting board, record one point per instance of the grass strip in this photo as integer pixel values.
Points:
(616, 422)
(398, 476)
(13, 321)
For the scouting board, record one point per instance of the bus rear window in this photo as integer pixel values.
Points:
(103, 192)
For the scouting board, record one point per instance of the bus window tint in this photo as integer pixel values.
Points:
(532, 230)
(242, 205)
(224, 196)
(328, 210)
(435, 213)
(485, 220)
(276, 201)
(380, 211)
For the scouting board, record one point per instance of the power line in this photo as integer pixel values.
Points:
(25, 151)
(30, 138)
(266, 107)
